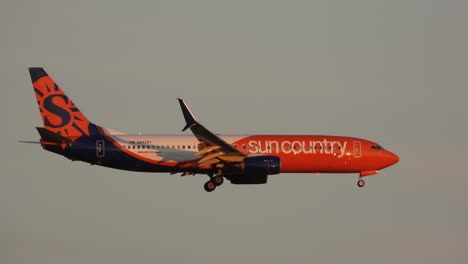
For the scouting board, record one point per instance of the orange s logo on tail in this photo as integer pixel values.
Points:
(58, 112)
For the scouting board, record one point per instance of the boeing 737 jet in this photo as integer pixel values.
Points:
(241, 159)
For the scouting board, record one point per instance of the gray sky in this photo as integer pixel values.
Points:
(390, 71)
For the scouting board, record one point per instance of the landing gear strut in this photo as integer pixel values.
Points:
(361, 183)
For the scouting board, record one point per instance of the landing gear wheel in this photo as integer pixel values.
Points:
(361, 183)
(217, 180)
(209, 186)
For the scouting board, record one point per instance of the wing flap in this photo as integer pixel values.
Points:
(210, 157)
(231, 158)
(207, 150)
(209, 162)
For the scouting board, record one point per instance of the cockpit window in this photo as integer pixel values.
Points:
(377, 147)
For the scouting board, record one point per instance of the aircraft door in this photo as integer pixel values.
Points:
(357, 149)
(100, 148)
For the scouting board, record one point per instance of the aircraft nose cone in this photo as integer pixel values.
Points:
(392, 158)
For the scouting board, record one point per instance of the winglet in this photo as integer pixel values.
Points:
(189, 118)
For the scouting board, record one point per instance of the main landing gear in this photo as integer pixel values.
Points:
(361, 182)
(214, 182)
(209, 186)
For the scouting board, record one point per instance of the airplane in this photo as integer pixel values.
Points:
(241, 159)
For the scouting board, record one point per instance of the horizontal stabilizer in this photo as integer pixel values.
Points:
(50, 136)
(29, 142)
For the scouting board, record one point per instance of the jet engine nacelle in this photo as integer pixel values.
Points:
(261, 165)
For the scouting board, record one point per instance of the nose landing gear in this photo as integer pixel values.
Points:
(361, 182)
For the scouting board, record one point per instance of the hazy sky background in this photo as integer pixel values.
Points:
(395, 72)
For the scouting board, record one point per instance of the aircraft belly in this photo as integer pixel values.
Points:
(301, 163)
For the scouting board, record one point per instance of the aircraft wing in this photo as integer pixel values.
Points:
(212, 149)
